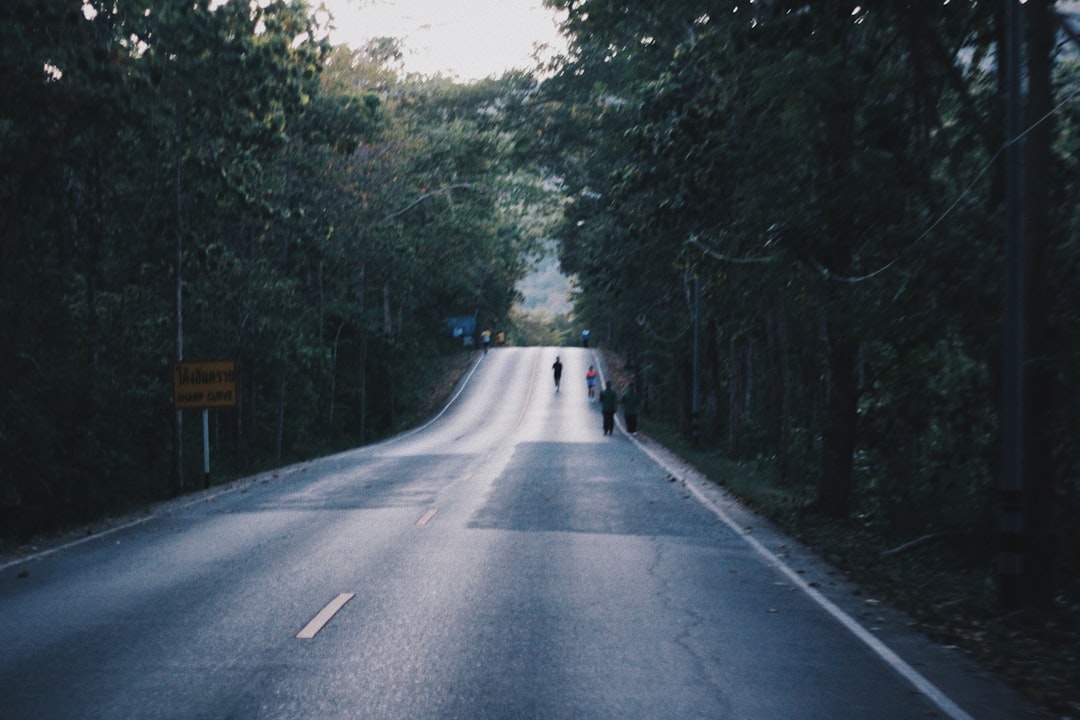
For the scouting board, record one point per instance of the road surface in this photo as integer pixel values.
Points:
(506, 560)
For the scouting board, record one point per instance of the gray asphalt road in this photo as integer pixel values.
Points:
(505, 561)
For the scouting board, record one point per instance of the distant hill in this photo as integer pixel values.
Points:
(546, 288)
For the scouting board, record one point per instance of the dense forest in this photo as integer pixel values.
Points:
(790, 218)
(204, 180)
(787, 218)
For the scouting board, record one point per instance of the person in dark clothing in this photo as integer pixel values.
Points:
(631, 402)
(609, 400)
(557, 368)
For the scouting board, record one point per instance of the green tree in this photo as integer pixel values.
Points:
(790, 160)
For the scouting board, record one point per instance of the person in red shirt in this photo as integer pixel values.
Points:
(590, 380)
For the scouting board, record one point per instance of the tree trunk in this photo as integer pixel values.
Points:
(333, 378)
(842, 347)
(362, 370)
(1038, 465)
(361, 307)
(734, 392)
(321, 289)
(714, 369)
(838, 444)
(178, 425)
(748, 381)
(86, 228)
(777, 334)
(253, 414)
(279, 436)
(388, 315)
(238, 428)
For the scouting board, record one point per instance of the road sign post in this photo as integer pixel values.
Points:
(201, 386)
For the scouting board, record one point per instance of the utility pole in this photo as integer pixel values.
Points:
(1027, 517)
(178, 307)
(1014, 446)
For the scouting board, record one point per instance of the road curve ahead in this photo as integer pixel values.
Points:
(506, 560)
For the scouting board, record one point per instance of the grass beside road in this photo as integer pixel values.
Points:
(950, 596)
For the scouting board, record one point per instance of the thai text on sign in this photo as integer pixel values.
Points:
(199, 385)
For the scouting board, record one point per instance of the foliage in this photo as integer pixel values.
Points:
(540, 327)
(829, 174)
(947, 588)
(202, 180)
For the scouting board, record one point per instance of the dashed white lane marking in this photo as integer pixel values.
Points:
(928, 690)
(319, 621)
(426, 517)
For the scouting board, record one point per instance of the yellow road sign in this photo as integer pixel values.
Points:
(198, 385)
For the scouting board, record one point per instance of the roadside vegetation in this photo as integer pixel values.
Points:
(786, 219)
(789, 220)
(949, 592)
(196, 180)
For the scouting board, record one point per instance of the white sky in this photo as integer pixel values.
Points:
(466, 39)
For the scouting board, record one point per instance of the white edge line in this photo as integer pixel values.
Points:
(227, 489)
(460, 389)
(156, 514)
(325, 615)
(924, 686)
(74, 543)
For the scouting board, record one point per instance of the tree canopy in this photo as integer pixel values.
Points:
(197, 179)
(815, 191)
(831, 176)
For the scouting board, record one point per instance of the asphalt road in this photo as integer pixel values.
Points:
(507, 560)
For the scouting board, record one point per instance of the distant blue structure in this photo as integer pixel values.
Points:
(463, 327)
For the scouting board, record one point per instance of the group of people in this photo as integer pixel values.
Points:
(609, 399)
(486, 339)
(609, 402)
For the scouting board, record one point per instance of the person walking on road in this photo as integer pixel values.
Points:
(590, 380)
(609, 399)
(631, 402)
(557, 368)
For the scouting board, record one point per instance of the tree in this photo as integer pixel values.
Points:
(790, 157)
